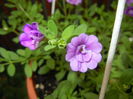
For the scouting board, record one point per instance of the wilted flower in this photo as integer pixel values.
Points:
(83, 52)
(129, 11)
(31, 36)
(129, 2)
(74, 2)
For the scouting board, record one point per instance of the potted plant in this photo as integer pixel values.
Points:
(62, 56)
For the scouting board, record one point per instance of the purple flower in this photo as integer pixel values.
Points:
(31, 36)
(74, 2)
(129, 11)
(49, 1)
(83, 52)
(129, 2)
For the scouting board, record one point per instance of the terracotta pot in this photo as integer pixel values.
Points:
(31, 89)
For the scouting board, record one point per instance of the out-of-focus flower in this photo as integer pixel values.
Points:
(49, 1)
(129, 2)
(83, 52)
(31, 36)
(74, 2)
(129, 11)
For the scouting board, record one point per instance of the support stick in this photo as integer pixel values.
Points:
(115, 35)
(53, 7)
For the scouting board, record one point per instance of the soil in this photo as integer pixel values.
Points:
(45, 84)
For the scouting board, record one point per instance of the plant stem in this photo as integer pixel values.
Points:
(115, 35)
(22, 9)
(53, 7)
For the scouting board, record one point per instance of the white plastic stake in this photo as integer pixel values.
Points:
(53, 7)
(115, 35)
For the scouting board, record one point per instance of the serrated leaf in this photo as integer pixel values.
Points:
(80, 29)
(28, 70)
(52, 27)
(11, 70)
(68, 32)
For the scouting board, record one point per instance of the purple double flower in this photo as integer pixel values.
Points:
(129, 8)
(83, 52)
(31, 36)
(73, 2)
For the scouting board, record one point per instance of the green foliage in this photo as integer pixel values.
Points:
(11, 70)
(67, 33)
(50, 55)
(28, 70)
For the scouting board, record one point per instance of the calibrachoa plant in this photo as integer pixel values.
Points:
(31, 36)
(83, 52)
(129, 8)
(73, 2)
(71, 46)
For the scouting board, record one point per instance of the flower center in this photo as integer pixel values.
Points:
(82, 49)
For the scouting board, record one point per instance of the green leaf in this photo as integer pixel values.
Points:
(2, 68)
(60, 75)
(13, 56)
(52, 27)
(43, 70)
(68, 32)
(49, 47)
(80, 29)
(3, 32)
(91, 30)
(91, 95)
(34, 66)
(51, 63)
(42, 29)
(21, 52)
(4, 53)
(11, 70)
(28, 52)
(28, 70)
(72, 77)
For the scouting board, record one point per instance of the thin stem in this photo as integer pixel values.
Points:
(22, 9)
(65, 10)
(53, 7)
(115, 35)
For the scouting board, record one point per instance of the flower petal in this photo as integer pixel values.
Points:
(83, 38)
(69, 56)
(96, 57)
(74, 65)
(92, 64)
(70, 48)
(79, 57)
(95, 47)
(27, 28)
(87, 56)
(75, 41)
(92, 39)
(83, 67)
(23, 36)
(35, 26)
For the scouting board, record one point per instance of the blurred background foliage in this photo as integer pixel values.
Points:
(94, 18)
